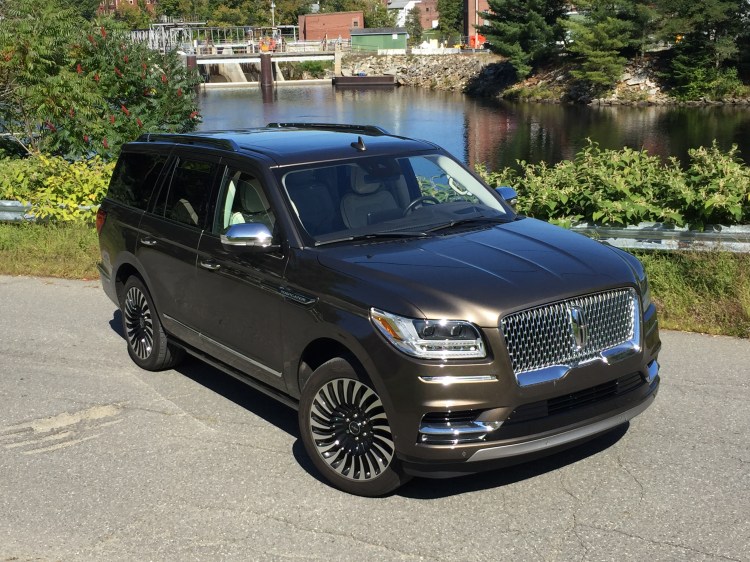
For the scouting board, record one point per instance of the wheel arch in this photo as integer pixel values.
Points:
(320, 351)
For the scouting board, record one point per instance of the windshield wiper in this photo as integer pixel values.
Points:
(473, 220)
(375, 236)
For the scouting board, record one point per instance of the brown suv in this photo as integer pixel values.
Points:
(415, 321)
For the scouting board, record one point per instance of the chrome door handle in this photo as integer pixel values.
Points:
(210, 265)
(148, 241)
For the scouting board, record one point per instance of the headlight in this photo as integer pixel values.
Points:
(430, 339)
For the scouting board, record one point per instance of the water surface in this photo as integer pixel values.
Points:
(488, 131)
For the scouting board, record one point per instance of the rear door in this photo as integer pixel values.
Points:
(169, 238)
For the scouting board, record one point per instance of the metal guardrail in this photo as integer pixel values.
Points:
(657, 236)
(645, 236)
(14, 211)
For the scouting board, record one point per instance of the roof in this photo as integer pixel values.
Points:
(379, 31)
(301, 143)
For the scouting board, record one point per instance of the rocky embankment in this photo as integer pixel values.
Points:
(487, 75)
(435, 72)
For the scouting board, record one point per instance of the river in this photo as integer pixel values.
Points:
(495, 133)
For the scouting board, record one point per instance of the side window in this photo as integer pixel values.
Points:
(135, 177)
(241, 200)
(189, 191)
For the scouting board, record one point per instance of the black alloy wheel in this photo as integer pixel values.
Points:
(346, 432)
(148, 345)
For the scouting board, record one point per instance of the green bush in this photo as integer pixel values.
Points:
(57, 190)
(626, 187)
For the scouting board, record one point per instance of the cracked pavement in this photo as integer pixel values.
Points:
(100, 460)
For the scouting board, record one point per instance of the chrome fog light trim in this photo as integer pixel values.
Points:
(451, 379)
(455, 433)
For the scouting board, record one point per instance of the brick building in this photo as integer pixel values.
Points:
(473, 15)
(316, 27)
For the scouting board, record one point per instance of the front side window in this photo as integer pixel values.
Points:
(378, 196)
(242, 200)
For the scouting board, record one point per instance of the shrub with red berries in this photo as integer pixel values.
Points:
(92, 88)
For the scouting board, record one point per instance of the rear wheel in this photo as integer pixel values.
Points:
(346, 432)
(148, 345)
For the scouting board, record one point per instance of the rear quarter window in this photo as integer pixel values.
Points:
(135, 177)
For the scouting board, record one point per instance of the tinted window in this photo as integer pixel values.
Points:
(187, 197)
(134, 178)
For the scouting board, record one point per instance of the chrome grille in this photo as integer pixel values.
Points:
(545, 336)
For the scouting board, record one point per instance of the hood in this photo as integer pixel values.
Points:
(480, 275)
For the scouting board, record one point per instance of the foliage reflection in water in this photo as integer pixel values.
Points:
(487, 131)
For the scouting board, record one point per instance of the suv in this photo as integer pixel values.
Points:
(372, 282)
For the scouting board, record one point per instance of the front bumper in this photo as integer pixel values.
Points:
(563, 438)
(558, 433)
(463, 418)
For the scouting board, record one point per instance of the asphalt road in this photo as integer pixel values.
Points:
(102, 461)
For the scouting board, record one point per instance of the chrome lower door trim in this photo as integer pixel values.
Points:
(226, 349)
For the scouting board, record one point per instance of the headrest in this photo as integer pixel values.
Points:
(251, 198)
(363, 183)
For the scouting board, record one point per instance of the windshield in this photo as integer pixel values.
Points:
(386, 196)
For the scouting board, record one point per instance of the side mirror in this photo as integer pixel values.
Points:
(252, 236)
(508, 194)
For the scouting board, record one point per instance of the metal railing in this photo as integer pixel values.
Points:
(193, 38)
(656, 236)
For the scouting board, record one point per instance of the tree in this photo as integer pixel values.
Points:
(707, 36)
(86, 8)
(605, 35)
(597, 46)
(524, 31)
(230, 13)
(374, 11)
(289, 11)
(187, 9)
(135, 16)
(377, 15)
(710, 27)
(71, 88)
(413, 25)
(451, 21)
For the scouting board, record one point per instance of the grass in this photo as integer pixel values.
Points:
(707, 292)
(66, 251)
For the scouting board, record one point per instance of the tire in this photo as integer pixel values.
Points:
(148, 345)
(346, 433)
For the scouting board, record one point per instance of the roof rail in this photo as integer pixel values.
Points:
(225, 144)
(367, 129)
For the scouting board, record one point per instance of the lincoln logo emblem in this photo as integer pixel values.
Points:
(578, 326)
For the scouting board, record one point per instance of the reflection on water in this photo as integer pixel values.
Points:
(488, 131)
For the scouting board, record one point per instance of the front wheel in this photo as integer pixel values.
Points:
(346, 433)
(148, 345)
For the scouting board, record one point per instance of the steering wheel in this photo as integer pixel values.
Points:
(418, 201)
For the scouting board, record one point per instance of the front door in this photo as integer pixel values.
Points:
(239, 291)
